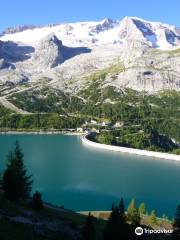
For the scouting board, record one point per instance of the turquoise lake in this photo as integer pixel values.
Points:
(80, 177)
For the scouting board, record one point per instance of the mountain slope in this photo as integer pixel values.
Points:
(63, 55)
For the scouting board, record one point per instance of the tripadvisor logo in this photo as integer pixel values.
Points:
(138, 231)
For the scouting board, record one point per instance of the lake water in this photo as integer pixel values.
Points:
(69, 173)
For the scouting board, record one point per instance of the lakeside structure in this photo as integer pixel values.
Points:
(147, 153)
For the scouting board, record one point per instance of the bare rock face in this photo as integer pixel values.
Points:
(148, 51)
(151, 71)
(48, 52)
(105, 25)
(129, 29)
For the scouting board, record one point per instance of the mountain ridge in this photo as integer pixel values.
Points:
(148, 51)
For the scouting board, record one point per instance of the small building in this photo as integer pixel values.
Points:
(103, 124)
(95, 130)
(93, 122)
(118, 124)
(79, 129)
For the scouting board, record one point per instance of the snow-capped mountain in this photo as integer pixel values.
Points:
(65, 53)
(107, 31)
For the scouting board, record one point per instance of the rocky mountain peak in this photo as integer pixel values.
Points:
(105, 25)
(48, 52)
(129, 30)
(51, 38)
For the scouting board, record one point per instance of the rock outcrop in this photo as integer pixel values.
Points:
(48, 52)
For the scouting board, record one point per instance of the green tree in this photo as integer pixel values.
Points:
(37, 202)
(176, 225)
(112, 229)
(142, 208)
(153, 218)
(135, 220)
(89, 232)
(116, 227)
(122, 210)
(106, 138)
(130, 208)
(16, 183)
(133, 213)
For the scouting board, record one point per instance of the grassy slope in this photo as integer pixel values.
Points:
(67, 223)
(63, 221)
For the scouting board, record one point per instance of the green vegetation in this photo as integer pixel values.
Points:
(16, 183)
(112, 70)
(153, 218)
(133, 213)
(150, 121)
(138, 137)
(176, 151)
(37, 202)
(40, 100)
(116, 227)
(4, 111)
(39, 121)
(142, 209)
(176, 233)
(89, 231)
(95, 90)
(155, 118)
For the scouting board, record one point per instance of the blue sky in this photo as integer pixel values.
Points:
(19, 12)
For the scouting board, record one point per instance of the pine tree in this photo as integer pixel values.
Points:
(153, 218)
(112, 229)
(135, 218)
(130, 209)
(142, 208)
(176, 225)
(116, 227)
(37, 202)
(122, 210)
(133, 213)
(16, 184)
(9, 185)
(89, 232)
